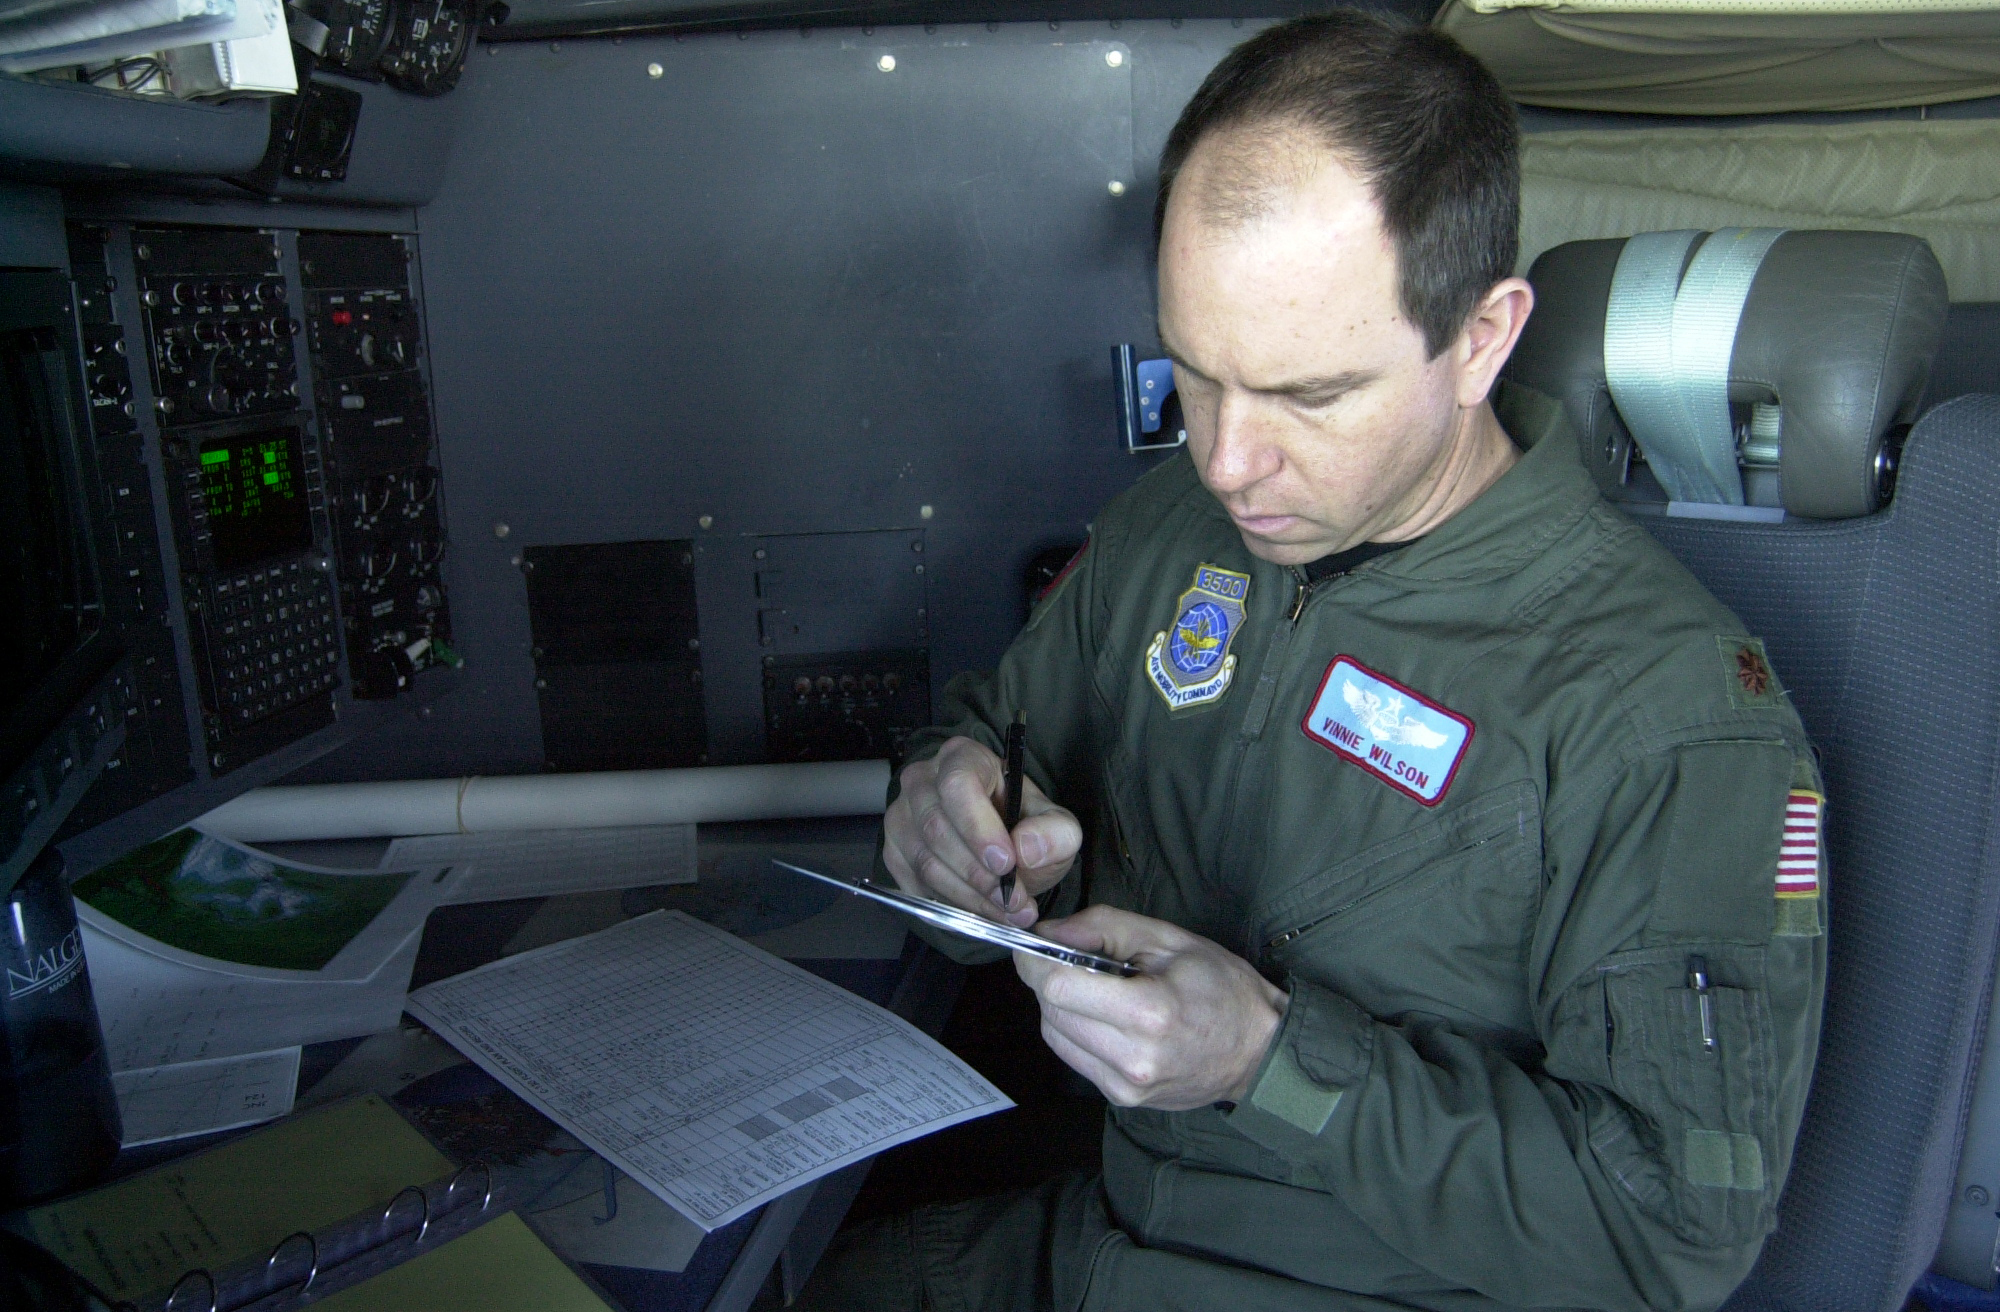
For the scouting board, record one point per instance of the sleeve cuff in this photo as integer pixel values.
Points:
(1322, 1049)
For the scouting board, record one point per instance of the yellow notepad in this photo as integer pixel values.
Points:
(220, 1206)
(500, 1267)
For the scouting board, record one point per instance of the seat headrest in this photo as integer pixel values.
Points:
(1827, 365)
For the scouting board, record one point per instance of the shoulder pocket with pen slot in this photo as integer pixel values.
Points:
(1688, 1044)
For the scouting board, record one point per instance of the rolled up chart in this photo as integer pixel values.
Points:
(482, 804)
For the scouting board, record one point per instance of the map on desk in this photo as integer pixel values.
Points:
(712, 1073)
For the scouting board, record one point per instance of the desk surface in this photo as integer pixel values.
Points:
(474, 1117)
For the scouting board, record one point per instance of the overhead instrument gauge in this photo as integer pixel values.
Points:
(431, 41)
(358, 31)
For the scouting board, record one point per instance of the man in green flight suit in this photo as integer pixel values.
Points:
(1470, 849)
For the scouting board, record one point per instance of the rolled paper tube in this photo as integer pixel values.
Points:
(481, 804)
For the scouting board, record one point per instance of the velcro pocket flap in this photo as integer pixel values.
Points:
(1693, 1068)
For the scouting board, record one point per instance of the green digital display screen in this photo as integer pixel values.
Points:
(254, 491)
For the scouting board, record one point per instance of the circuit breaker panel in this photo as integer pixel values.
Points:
(383, 485)
(277, 513)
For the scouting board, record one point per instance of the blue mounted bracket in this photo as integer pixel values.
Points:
(1143, 389)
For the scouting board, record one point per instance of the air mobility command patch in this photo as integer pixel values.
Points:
(1747, 673)
(1798, 865)
(1401, 737)
(1190, 663)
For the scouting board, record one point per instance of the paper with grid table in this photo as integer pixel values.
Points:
(712, 1073)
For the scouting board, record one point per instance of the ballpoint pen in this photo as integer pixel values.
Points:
(1698, 981)
(1010, 807)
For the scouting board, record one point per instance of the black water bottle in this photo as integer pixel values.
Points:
(58, 1117)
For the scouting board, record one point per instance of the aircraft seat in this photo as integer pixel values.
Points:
(1882, 613)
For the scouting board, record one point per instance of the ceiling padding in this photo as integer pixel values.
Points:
(1734, 56)
(1939, 180)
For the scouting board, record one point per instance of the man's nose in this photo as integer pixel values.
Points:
(1242, 453)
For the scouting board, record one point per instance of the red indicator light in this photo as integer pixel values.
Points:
(342, 318)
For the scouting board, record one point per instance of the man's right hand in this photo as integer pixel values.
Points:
(945, 839)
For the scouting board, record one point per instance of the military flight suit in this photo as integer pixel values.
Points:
(1506, 815)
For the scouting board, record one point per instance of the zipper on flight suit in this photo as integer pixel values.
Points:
(1306, 587)
(1258, 712)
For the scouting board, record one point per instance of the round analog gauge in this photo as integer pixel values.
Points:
(358, 31)
(430, 46)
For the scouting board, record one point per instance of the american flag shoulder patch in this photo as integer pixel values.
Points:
(1798, 850)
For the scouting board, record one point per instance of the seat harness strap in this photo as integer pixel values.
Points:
(1668, 339)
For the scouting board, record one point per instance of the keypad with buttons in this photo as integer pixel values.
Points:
(272, 641)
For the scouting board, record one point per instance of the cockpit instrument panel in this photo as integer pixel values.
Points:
(358, 32)
(427, 50)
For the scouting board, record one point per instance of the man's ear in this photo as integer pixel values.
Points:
(1489, 337)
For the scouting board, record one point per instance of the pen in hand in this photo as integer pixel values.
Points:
(1010, 807)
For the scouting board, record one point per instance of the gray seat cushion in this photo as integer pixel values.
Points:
(1887, 631)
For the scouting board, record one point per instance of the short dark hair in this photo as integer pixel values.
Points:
(1423, 123)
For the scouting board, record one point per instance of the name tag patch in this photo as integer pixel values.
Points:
(1401, 737)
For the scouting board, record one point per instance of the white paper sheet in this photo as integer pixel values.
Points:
(385, 1064)
(712, 1073)
(546, 862)
(174, 1102)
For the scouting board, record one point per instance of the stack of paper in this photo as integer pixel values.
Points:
(201, 948)
(38, 34)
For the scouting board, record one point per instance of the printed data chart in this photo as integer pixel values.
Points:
(714, 1074)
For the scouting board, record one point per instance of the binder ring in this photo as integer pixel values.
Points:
(451, 1190)
(271, 1262)
(174, 1297)
(388, 1212)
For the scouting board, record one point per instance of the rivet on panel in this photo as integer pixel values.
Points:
(925, 512)
(655, 70)
(1115, 58)
(706, 521)
(501, 530)
(555, 45)
(886, 63)
(1116, 187)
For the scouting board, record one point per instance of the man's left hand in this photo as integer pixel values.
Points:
(1190, 1031)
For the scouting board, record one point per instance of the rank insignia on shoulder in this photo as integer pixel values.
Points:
(1401, 737)
(1190, 663)
(1798, 864)
(1747, 673)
